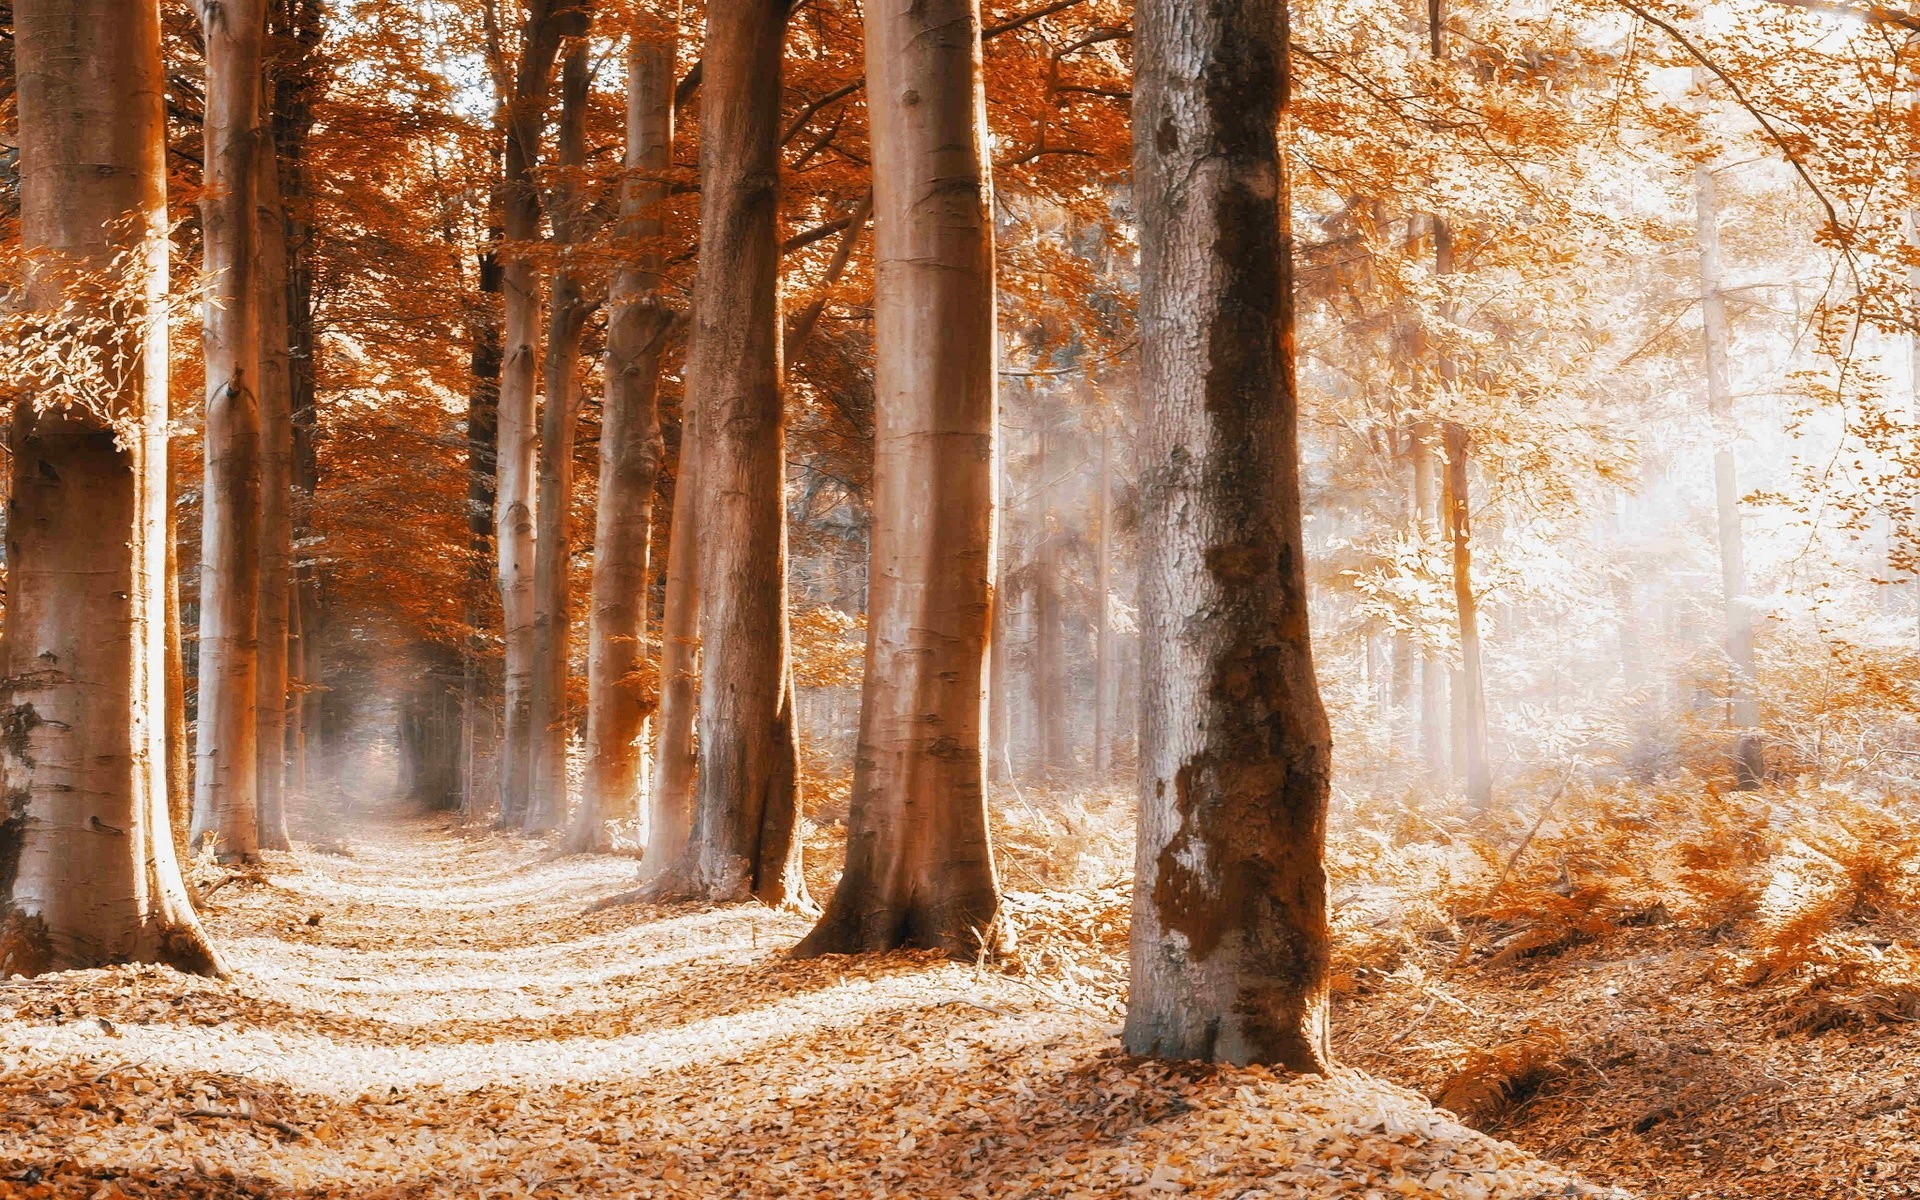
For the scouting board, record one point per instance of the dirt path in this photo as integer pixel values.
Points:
(435, 1015)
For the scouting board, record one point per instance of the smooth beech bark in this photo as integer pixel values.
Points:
(1230, 938)
(226, 795)
(1103, 649)
(630, 452)
(513, 508)
(743, 842)
(88, 874)
(670, 807)
(1749, 752)
(567, 310)
(276, 501)
(919, 868)
(1470, 689)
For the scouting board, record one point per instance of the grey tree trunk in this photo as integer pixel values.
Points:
(546, 22)
(1749, 752)
(1230, 939)
(88, 873)
(226, 778)
(919, 868)
(276, 500)
(1103, 648)
(630, 452)
(743, 842)
(567, 313)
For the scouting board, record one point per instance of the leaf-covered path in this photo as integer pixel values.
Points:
(430, 1014)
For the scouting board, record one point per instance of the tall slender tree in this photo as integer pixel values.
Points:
(743, 842)
(567, 310)
(546, 23)
(276, 499)
(1229, 940)
(637, 323)
(88, 873)
(919, 859)
(226, 794)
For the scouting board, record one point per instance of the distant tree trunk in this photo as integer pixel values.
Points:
(919, 868)
(179, 749)
(546, 21)
(1433, 668)
(999, 695)
(567, 311)
(88, 874)
(1470, 697)
(743, 841)
(483, 418)
(226, 795)
(1749, 752)
(299, 23)
(630, 452)
(1049, 651)
(1230, 939)
(1103, 665)
(275, 392)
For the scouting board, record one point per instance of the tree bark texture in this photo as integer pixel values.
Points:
(630, 452)
(670, 808)
(567, 310)
(546, 20)
(1749, 754)
(276, 500)
(226, 794)
(483, 419)
(1230, 939)
(88, 873)
(919, 868)
(1470, 694)
(743, 842)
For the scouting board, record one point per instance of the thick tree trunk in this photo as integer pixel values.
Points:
(743, 841)
(919, 866)
(560, 417)
(276, 500)
(1470, 696)
(1230, 939)
(1749, 754)
(546, 21)
(88, 874)
(630, 451)
(226, 796)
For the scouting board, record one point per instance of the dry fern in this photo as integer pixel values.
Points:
(1491, 1082)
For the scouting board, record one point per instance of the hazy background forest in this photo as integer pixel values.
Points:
(1608, 377)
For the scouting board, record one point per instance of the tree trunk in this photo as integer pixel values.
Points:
(1230, 939)
(919, 866)
(670, 814)
(1049, 651)
(276, 499)
(1470, 697)
(483, 418)
(637, 322)
(88, 874)
(546, 20)
(743, 842)
(1103, 698)
(179, 749)
(1433, 668)
(553, 542)
(226, 796)
(1749, 753)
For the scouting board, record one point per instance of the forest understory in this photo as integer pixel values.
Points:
(421, 1010)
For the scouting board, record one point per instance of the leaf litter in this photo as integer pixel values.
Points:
(457, 1024)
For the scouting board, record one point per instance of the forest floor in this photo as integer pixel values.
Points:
(429, 1013)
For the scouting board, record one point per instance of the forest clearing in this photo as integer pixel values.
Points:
(976, 598)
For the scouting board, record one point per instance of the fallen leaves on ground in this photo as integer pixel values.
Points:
(455, 1025)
